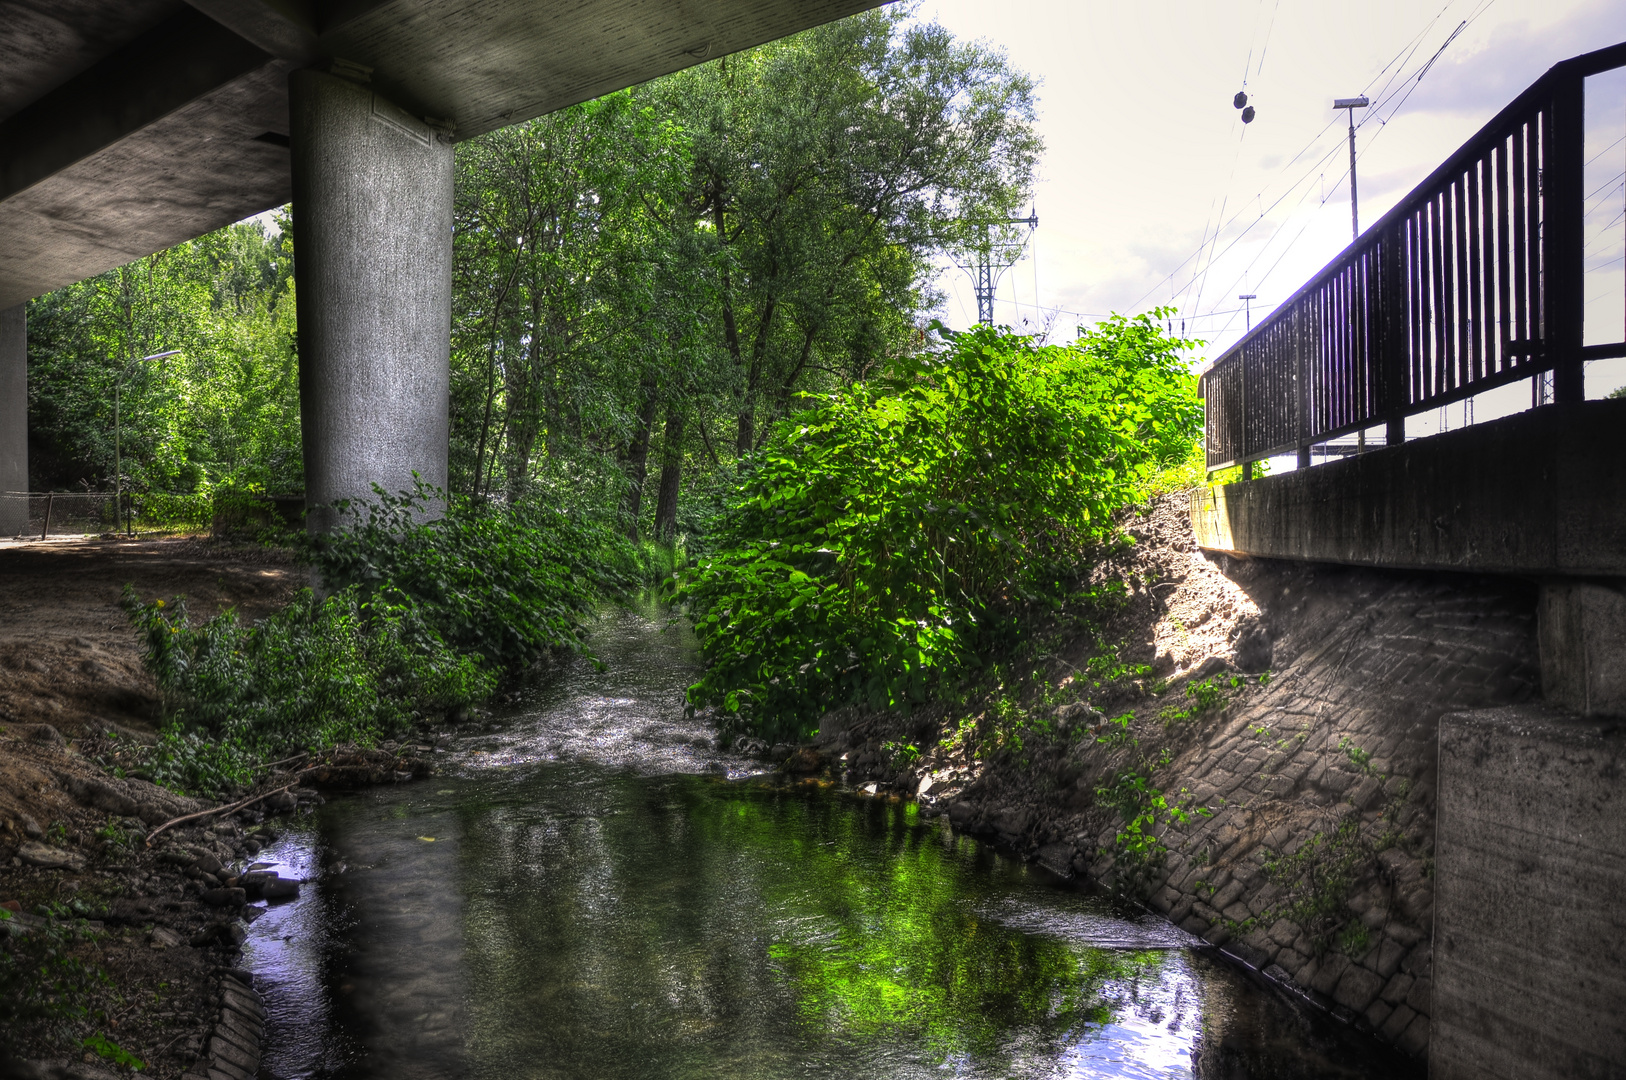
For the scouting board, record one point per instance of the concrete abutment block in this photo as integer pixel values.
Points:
(1581, 627)
(1529, 949)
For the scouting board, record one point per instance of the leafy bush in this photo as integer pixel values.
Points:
(316, 673)
(506, 582)
(892, 532)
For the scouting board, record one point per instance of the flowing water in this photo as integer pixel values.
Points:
(591, 892)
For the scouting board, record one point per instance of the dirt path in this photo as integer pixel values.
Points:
(68, 656)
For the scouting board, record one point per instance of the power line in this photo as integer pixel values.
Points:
(1407, 51)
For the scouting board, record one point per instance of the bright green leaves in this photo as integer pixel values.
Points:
(891, 534)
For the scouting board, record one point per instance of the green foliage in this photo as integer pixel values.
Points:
(317, 673)
(1144, 811)
(108, 1050)
(1183, 474)
(894, 532)
(223, 412)
(506, 583)
(1361, 759)
(1205, 695)
(1315, 882)
(901, 754)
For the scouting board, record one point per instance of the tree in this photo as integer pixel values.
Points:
(825, 169)
(224, 411)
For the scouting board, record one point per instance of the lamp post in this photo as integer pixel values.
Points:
(118, 455)
(1352, 103)
(1247, 299)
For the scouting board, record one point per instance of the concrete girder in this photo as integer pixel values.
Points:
(159, 72)
(124, 184)
(373, 214)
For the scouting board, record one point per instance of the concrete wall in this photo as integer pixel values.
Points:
(1529, 926)
(1539, 493)
(13, 418)
(373, 228)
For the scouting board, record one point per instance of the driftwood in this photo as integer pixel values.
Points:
(224, 809)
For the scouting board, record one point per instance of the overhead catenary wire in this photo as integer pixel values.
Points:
(1396, 64)
(1404, 91)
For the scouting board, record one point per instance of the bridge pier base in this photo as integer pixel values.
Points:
(13, 418)
(373, 231)
(1529, 961)
(1581, 630)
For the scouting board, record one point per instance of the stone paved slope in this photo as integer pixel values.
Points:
(1314, 861)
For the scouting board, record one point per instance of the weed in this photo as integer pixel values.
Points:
(109, 1050)
(1315, 882)
(1358, 757)
(901, 754)
(1354, 939)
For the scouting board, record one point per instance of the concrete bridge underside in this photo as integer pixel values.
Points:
(1530, 851)
(129, 126)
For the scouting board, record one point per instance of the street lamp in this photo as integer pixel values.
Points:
(1247, 299)
(118, 456)
(1352, 103)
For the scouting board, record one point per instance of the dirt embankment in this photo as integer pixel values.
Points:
(76, 877)
(1289, 717)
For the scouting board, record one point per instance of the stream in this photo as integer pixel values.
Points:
(590, 891)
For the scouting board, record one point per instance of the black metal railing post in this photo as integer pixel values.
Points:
(1563, 192)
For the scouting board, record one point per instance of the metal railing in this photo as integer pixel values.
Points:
(1473, 281)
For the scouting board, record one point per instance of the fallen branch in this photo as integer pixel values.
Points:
(225, 809)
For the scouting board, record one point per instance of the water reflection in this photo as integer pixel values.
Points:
(561, 904)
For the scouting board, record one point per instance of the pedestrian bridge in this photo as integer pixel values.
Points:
(1476, 281)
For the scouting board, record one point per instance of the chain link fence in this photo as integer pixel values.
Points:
(102, 513)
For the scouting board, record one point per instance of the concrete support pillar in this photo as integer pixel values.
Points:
(1581, 631)
(1529, 958)
(13, 419)
(373, 243)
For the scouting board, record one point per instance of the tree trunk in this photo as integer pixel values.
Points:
(671, 476)
(638, 458)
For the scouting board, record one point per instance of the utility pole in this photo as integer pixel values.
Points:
(1352, 103)
(1247, 299)
(984, 272)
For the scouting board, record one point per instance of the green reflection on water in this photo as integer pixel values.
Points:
(675, 927)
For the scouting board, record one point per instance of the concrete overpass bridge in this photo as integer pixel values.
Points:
(1475, 281)
(128, 126)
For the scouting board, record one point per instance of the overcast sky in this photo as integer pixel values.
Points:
(1145, 155)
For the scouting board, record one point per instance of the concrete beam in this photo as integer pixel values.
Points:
(285, 29)
(1541, 494)
(200, 167)
(1530, 865)
(159, 72)
(373, 222)
(13, 419)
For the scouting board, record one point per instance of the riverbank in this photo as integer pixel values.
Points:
(129, 933)
(1268, 784)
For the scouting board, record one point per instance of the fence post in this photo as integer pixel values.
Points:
(1392, 319)
(1295, 334)
(1563, 195)
(46, 528)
